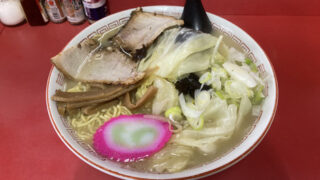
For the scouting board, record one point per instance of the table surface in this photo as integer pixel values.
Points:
(290, 150)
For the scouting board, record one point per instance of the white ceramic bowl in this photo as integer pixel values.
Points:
(259, 130)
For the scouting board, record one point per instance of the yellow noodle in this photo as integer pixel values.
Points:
(86, 125)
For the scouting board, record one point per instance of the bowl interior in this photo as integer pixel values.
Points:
(259, 129)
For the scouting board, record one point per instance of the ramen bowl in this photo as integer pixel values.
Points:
(259, 129)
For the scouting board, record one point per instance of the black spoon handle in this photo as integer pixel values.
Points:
(195, 16)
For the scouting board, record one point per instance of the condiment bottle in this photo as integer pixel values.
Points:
(95, 9)
(35, 12)
(11, 13)
(55, 11)
(74, 11)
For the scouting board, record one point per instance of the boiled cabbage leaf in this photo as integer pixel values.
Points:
(195, 62)
(236, 89)
(235, 55)
(174, 47)
(206, 139)
(217, 109)
(172, 158)
(239, 74)
(245, 108)
(166, 97)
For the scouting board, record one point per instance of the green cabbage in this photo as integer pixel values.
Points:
(195, 62)
(171, 159)
(206, 78)
(202, 99)
(258, 95)
(196, 123)
(169, 53)
(235, 55)
(215, 56)
(166, 97)
(193, 108)
(236, 89)
(245, 108)
(216, 109)
(239, 74)
(205, 139)
(251, 64)
(218, 76)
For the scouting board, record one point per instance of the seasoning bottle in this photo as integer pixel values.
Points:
(55, 11)
(95, 9)
(74, 11)
(35, 12)
(11, 13)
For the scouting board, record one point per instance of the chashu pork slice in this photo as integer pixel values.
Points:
(142, 29)
(89, 63)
